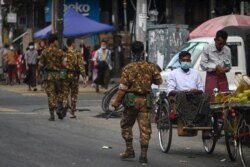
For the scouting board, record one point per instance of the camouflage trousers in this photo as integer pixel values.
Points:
(140, 113)
(53, 91)
(70, 87)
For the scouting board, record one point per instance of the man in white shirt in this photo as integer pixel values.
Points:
(216, 61)
(184, 78)
(186, 85)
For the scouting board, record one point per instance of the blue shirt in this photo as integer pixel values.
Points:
(179, 80)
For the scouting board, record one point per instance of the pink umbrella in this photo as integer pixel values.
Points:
(210, 27)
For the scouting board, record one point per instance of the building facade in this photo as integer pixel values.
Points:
(36, 14)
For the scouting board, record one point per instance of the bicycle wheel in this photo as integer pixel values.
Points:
(164, 126)
(243, 134)
(209, 144)
(108, 98)
(231, 142)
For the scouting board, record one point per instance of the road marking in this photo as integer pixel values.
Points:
(7, 110)
(32, 94)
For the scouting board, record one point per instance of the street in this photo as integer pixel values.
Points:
(28, 139)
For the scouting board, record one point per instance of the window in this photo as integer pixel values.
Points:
(194, 48)
(234, 52)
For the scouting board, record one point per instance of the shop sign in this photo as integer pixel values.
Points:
(11, 18)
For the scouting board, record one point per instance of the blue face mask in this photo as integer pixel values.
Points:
(186, 65)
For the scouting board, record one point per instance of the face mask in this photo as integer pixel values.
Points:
(31, 47)
(103, 47)
(186, 65)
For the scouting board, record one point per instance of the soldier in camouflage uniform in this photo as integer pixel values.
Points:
(73, 63)
(135, 90)
(51, 63)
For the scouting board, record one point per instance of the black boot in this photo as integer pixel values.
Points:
(52, 115)
(143, 157)
(64, 111)
(129, 152)
(59, 111)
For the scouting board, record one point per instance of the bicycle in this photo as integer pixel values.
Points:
(242, 135)
(224, 119)
(110, 95)
(107, 100)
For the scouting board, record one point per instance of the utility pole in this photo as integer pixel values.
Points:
(59, 21)
(1, 22)
(125, 15)
(53, 16)
(141, 21)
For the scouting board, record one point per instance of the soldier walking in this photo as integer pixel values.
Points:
(135, 87)
(51, 62)
(73, 63)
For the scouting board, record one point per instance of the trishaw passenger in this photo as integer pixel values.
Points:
(186, 86)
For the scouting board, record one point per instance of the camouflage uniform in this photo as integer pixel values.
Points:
(51, 63)
(137, 78)
(73, 63)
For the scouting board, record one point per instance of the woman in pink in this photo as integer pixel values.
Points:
(19, 66)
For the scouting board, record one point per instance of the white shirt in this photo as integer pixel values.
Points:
(179, 80)
(211, 57)
(98, 57)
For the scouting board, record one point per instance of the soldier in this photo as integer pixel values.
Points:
(73, 63)
(135, 87)
(51, 62)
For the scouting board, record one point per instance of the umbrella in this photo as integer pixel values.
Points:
(210, 27)
(44, 33)
(76, 25)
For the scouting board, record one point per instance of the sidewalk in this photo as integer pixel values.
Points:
(23, 88)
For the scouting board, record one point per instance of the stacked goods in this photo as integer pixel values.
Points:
(242, 93)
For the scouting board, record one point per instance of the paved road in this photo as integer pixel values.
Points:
(28, 139)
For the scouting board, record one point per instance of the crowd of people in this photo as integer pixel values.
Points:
(21, 67)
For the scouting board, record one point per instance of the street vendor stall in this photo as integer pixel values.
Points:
(236, 112)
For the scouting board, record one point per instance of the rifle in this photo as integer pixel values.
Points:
(108, 116)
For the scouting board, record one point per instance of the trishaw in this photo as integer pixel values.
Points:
(216, 125)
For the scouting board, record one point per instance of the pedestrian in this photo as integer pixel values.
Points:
(19, 66)
(93, 68)
(41, 47)
(86, 57)
(216, 61)
(51, 62)
(135, 90)
(10, 59)
(73, 63)
(102, 61)
(1, 62)
(31, 66)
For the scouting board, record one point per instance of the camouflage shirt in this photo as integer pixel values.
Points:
(51, 61)
(73, 62)
(138, 77)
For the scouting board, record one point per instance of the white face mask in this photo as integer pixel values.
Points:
(103, 47)
(31, 47)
